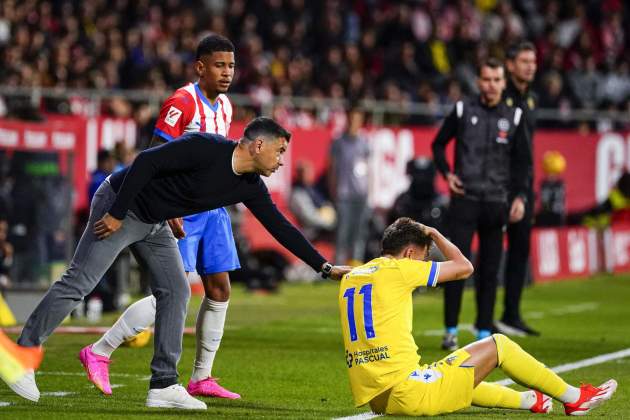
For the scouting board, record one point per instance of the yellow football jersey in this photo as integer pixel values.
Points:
(376, 320)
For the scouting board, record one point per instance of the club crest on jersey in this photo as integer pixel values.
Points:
(503, 124)
(474, 120)
(426, 375)
(172, 115)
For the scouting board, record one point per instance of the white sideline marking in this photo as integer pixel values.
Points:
(363, 416)
(122, 375)
(114, 386)
(141, 378)
(57, 393)
(4, 404)
(577, 308)
(602, 358)
(462, 327)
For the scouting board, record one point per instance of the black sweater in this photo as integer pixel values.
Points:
(193, 174)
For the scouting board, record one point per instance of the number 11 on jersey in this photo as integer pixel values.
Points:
(366, 291)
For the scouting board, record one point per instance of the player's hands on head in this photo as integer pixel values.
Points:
(338, 271)
(177, 227)
(455, 184)
(517, 211)
(106, 226)
(428, 230)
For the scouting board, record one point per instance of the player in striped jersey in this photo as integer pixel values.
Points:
(205, 242)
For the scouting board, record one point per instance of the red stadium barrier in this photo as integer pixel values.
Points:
(562, 253)
(79, 136)
(594, 162)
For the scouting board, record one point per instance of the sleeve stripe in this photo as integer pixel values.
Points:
(459, 106)
(162, 134)
(434, 274)
(518, 112)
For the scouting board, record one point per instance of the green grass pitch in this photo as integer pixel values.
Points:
(284, 354)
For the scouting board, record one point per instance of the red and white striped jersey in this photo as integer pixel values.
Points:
(188, 110)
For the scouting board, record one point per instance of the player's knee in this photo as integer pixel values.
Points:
(217, 287)
(504, 346)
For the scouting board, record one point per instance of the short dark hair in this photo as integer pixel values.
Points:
(492, 62)
(103, 155)
(515, 49)
(403, 232)
(265, 127)
(214, 43)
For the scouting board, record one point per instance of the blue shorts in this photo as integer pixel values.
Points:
(208, 246)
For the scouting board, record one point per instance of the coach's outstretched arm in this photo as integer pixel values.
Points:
(457, 266)
(265, 210)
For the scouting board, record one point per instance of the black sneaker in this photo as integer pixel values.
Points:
(449, 342)
(516, 328)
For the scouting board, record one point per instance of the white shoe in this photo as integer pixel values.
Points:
(26, 387)
(174, 396)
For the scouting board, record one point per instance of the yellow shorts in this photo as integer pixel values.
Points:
(438, 388)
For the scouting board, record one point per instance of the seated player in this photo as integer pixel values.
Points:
(381, 355)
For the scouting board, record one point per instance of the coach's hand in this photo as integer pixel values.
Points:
(455, 184)
(518, 210)
(177, 227)
(338, 271)
(106, 226)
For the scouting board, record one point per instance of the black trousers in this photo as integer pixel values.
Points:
(517, 262)
(488, 219)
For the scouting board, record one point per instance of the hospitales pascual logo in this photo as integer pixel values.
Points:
(359, 357)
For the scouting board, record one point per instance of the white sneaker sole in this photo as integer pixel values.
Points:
(609, 386)
(25, 393)
(507, 330)
(174, 404)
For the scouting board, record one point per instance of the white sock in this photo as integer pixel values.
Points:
(210, 322)
(528, 399)
(137, 318)
(571, 395)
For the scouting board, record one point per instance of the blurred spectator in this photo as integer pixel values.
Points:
(615, 209)
(146, 45)
(348, 177)
(104, 167)
(552, 191)
(421, 201)
(6, 254)
(316, 216)
(123, 156)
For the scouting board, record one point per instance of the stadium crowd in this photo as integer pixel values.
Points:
(402, 51)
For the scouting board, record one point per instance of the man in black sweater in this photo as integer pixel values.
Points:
(197, 172)
(491, 161)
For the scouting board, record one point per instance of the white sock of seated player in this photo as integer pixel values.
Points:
(210, 322)
(137, 318)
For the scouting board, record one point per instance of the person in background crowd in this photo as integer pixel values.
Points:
(6, 254)
(348, 177)
(421, 201)
(615, 209)
(552, 191)
(316, 216)
(105, 165)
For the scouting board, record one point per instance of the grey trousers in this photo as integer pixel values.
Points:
(352, 230)
(156, 248)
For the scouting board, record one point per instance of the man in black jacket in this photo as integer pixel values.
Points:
(491, 160)
(197, 172)
(521, 65)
